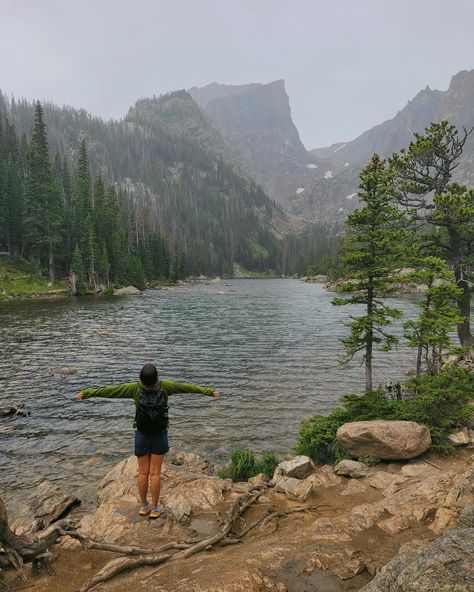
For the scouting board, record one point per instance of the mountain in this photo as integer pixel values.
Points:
(348, 158)
(456, 105)
(255, 122)
(175, 175)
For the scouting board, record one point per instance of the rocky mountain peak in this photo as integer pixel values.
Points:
(255, 122)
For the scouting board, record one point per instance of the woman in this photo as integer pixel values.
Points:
(151, 423)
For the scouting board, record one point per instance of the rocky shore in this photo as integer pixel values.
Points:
(397, 526)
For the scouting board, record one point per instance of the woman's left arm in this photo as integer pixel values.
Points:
(171, 387)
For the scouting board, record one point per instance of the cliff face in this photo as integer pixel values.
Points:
(255, 121)
(456, 105)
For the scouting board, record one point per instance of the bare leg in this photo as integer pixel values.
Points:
(156, 461)
(143, 473)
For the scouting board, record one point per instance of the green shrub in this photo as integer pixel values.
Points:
(243, 464)
(267, 464)
(317, 437)
(441, 402)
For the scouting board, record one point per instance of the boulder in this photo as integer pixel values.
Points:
(388, 440)
(296, 489)
(127, 291)
(186, 489)
(298, 467)
(351, 468)
(444, 565)
(259, 479)
(460, 438)
(198, 495)
(324, 477)
(47, 503)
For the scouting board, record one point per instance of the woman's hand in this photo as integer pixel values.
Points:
(216, 394)
(80, 396)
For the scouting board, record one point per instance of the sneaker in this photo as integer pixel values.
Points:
(145, 509)
(157, 510)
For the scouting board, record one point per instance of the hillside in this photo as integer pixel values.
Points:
(174, 174)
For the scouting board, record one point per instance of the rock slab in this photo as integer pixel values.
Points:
(444, 565)
(387, 440)
(47, 503)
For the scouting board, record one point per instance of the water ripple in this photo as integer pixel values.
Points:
(270, 346)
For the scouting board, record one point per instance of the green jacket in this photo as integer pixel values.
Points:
(132, 390)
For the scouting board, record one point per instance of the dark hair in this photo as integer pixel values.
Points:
(149, 375)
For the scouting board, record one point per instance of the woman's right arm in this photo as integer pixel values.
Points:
(120, 391)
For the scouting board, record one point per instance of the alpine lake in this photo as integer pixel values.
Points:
(270, 346)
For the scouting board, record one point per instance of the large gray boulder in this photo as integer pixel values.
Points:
(388, 440)
(444, 565)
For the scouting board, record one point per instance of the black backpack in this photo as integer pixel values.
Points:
(152, 412)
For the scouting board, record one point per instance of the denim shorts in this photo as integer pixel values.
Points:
(151, 444)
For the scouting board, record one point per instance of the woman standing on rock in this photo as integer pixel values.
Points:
(151, 422)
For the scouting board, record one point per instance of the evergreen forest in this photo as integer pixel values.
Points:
(135, 201)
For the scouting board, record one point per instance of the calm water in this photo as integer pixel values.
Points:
(270, 347)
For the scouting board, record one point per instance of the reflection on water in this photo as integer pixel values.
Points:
(270, 346)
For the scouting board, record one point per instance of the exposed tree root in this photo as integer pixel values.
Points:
(221, 538)
(118, 565)
(88, 543)
(121, 564)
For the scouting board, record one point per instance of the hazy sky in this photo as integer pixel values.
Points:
(348, 64)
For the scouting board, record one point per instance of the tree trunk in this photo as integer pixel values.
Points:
(51, 263)
(22, 548)
(464, 302)
(369, 337)
(464, 307)
(419, 357)
(73, 282)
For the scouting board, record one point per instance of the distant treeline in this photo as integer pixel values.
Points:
(194, 215)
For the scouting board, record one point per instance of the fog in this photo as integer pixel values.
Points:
(348, 64)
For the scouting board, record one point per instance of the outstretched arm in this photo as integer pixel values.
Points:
(120, 391)
(171, 386)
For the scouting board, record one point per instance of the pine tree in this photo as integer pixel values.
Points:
(82, 200)
(425, 168)
(374, 248)
(430, 333)
(43, 215)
